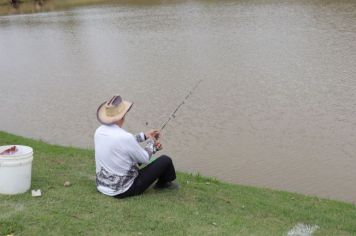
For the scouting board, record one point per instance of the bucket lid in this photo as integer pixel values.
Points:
(21, 152)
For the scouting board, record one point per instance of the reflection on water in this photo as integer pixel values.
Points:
(276, 105)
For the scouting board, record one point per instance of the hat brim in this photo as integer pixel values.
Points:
(108, 120)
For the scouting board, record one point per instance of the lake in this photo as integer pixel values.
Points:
(276, 106)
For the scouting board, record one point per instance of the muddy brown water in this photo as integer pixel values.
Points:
(277, 103)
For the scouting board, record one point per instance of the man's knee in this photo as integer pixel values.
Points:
(165, 159)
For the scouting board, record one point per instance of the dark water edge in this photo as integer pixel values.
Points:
(8, 7)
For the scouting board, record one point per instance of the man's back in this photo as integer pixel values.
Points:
(115, 168)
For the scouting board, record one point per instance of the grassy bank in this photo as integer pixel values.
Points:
(34, 6)
(202, 205)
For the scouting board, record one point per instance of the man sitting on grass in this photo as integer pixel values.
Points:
(118, 154)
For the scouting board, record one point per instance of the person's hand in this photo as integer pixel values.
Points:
(152, 134)
(158, 145)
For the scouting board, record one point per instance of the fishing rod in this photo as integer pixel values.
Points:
(172, 116)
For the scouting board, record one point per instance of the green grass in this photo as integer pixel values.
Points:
(202, 206)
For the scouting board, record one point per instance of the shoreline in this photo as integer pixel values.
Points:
(202, 204)
(42, 6)
(212, 178)
(33, 7)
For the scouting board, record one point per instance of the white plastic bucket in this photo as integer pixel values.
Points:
(15, 170)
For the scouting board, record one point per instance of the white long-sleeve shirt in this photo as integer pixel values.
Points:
(117, 154)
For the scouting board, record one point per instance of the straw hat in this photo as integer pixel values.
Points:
(113, 110)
